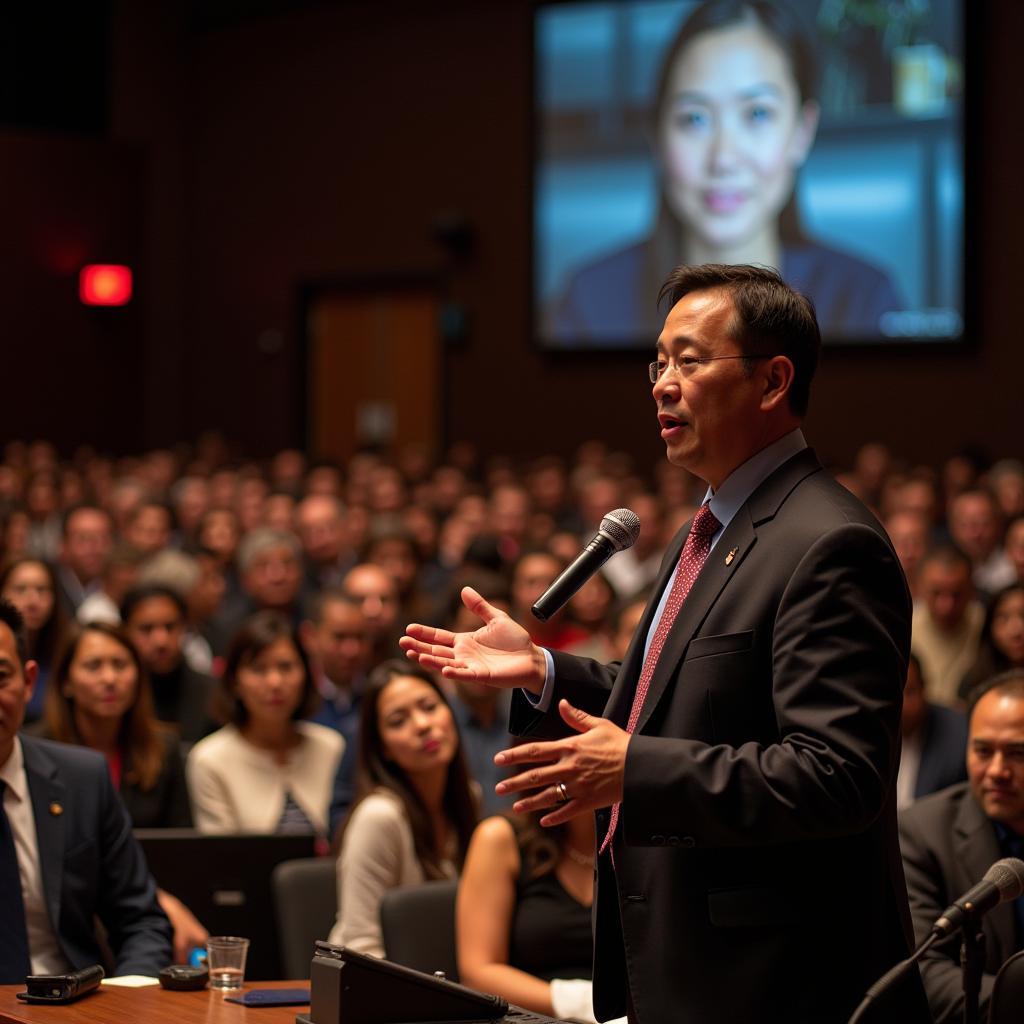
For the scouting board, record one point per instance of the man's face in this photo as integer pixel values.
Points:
(157, 629)
(375, 592)
(150, 530)
(974, 526)
(321, 530)
(339, 643)
(87, 543)
(710, 413)
(909, 535)
(946, 591)
(533, 575)
(16, 681)
(1015, 547)
(273, 578)
(995, 758)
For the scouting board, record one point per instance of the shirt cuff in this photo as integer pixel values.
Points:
(543, 702)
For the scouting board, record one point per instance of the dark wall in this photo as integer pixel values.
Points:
(322, 141)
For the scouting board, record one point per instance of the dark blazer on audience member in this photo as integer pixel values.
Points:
(90, 862)
(757, 872)
(943, 751)
(948, 844)
(165, 804)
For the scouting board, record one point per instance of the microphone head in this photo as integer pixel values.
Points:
(621, 527)
(1007, 875)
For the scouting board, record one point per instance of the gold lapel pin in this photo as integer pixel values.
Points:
(56, 809)
(729, 557)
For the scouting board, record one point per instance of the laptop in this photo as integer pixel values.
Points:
(225, 881)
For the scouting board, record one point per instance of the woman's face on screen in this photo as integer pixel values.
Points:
(733, 133)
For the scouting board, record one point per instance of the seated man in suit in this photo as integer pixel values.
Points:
(950, 839)
(67, 854)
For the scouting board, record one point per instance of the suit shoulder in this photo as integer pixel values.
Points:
(68, 758)
(935, 811)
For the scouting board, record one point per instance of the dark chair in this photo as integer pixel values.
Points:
(418, 922)
(306, 904)
(1007, 1003)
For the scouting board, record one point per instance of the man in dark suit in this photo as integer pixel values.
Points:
(67, 854)
(743, 766)
(950, 839)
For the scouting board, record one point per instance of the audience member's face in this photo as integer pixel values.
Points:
(324, 480)
(16, 681)
(87, 543)
(279, 511)
(1009, 492)
(271, 685)
(28, 589)
(590, 604)
(995, 758)
(274, 577)
(946, 591)
(157, 629)
(205, 597)
(192, 502)
(150, 529)
(339, 642)
(918, 496)
(909, 535)
(974, 526)
(220, 533)
(321, 529)
(533, 575)
(102, 678)
(914, 706)
(510, 509)
(375, 592)
(1008, 627)
(1015, 547)
(417, 730)
(397, 558)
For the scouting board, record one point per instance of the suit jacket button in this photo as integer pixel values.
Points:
(689, 842)
(657, 840)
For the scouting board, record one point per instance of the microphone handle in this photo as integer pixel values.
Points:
(583, 566)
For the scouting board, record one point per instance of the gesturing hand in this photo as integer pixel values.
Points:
(590, 767)
(500, 653)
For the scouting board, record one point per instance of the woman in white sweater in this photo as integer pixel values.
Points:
(266, 770)
(414, 809)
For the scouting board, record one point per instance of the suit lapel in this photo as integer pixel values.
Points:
(47, 792)
(740, 534)
(977, 849)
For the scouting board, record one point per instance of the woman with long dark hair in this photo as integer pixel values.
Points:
(1001, 645)
(414, 809)
(31, 586)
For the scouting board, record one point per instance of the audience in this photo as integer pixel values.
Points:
(188, 545)
(414, 810)
(950, 839)
(267, 770)
(68, 855)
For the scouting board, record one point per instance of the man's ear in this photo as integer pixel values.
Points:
(30, 671)
(778, 379)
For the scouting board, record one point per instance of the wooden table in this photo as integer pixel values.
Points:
(150, 1005)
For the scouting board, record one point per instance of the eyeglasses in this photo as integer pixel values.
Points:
(685, 365)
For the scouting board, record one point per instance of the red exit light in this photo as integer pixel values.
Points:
(105, 284)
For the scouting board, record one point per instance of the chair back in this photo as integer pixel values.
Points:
(306, 905)
(418, 922)
(1007, 1003)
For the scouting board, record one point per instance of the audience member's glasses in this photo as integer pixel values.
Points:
(685, 365)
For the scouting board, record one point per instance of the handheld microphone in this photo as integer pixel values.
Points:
(618, 531)
(1003, 881)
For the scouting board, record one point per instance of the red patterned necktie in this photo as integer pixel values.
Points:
(691, 560)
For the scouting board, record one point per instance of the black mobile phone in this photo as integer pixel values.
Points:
(61, 988)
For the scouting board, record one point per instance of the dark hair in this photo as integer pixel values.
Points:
(44, 645)
(374, 770)
(11, 618)
(257, 634)
(769, 317)
(946, 554)
(317, 604)
(84, 506)
(785, 27)
(990, 659)
(1010, 683)
(140, 735)
(148, 591)
(540, 848)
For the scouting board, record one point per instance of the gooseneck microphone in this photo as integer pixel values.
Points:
(1003, 881)
(618, 531)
